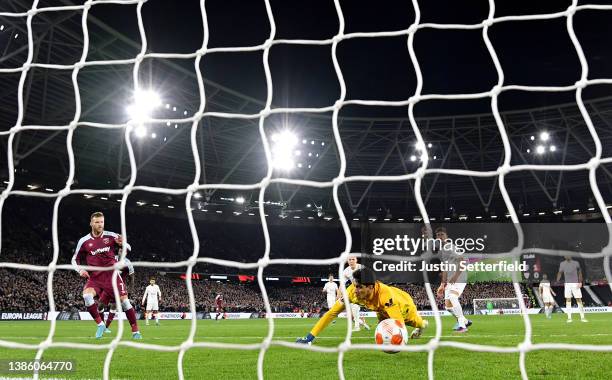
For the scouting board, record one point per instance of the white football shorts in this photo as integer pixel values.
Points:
(572, 290)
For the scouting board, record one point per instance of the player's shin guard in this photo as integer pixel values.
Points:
(568, 307)
(92, 308)
(130, 314)
(457, 310)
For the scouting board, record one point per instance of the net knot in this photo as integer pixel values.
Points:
(79, 65)
(496, 90)
(63, 193)
(263, 262)
(192, 188)
(487, 23)
(338, 180)
(593, 163)
(582, 83)
(343, 347)
(45, 344)
(413, 28)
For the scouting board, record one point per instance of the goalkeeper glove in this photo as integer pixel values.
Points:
(306, 340)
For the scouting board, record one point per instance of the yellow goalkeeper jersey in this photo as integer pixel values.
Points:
(387, 301)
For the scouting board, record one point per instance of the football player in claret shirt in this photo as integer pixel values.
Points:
(387, 301)
(99, 248)
(219, 307)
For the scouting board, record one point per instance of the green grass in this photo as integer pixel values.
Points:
(282, 363)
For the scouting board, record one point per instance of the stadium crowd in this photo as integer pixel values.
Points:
(27, 239)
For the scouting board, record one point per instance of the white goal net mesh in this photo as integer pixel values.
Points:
(502, 171)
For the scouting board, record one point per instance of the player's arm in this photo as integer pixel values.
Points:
(440, 291)
(540, 290)
(580, 279)
(324, 289)
(338, 294)
(144, 296)
(552, 291)
(559, 273)
(158, 294)
(119, 241)
(76, 260)
(322, 323)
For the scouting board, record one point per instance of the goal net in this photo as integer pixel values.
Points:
(500, 174)
(492, 306)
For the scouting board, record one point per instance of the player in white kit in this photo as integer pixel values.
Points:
(452, 283)
(354, 309)
(152, 295)
(332, 291)
(572, 275)
(546, 293)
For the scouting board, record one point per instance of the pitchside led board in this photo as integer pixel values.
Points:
(398, 252)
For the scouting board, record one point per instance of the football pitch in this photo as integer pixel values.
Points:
(282, 362)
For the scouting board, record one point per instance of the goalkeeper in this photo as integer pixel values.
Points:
(387, 301)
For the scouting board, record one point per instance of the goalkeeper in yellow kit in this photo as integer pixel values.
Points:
(387, 301)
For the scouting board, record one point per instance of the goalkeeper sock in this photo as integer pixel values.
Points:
(110, 318)
(568, 307)
(457, 310)
(581, 310)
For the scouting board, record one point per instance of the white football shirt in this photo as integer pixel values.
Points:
(545, 289)
(348, 273)
(331, 288)
(152, 292)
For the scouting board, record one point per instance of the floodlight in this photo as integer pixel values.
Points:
(540, 149)
(553, 148)
(544, 136)
(240, 200)
(141, 131)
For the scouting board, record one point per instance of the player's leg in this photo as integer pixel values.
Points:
(148, 311)
(355, 316)
(330, 303)
(577, 294)
(363, 323)
(130, 313)
(156, 314)
(452, 304)
(568, 301)
(105, 304)
(89, 292)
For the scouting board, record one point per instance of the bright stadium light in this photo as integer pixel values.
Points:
(240, 200)
(532, 138)
(544, 136)
(553, 148)
(197, 195)
(141, 131)
(413, 158)
(540, 149)
(283, 150)
(145, 101)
